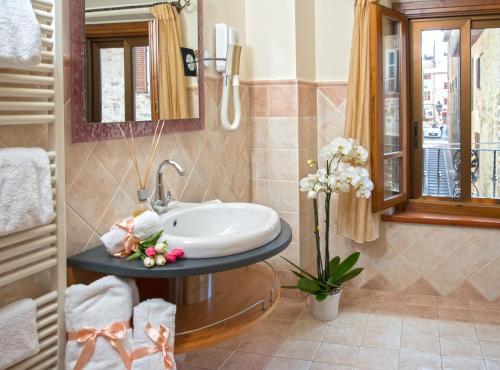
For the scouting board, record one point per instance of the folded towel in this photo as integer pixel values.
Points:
(154, 312)
(25, 189)
(104, 302)
(145, 225)
(20, 36)
(19, 339)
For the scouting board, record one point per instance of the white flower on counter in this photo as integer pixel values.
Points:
(149, 262)
(161, 248)
(160, 260)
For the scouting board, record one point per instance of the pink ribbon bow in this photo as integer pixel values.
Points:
(114, 333)
(130, 242)
(160, 344)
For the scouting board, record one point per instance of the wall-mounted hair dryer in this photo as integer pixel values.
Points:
(228, 54)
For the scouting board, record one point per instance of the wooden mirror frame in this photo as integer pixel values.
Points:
(83, 131)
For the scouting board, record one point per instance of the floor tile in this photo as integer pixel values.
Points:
(231, 344)
(325, 366)
(420, 343)
(462, 363)
(337, 354)
(419, 361)
(344, 335)
(246, 361)
(492, 364)
(260, 344)
(373, 358)
(308, 330)
(488, 317)
(279, 328)
(385, 322)
(298, 349)
(210, 358)
(491, 350)
(280, 363)
(287, 310)
(422, 312)
(488, 332)
(420, 326)
(422, 300)
(381, 339)
(457, 329)
(351, 319)
(454, 314)
(460, 347)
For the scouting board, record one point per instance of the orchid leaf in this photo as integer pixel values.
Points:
(134, 256)
(334, 263)
(344, 267)
(321, 297)
(298, 268)
(152, 239)
(309, 286)
(290, 287)
(349, 276)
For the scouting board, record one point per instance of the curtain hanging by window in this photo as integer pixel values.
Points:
(355, 218)
(172, 85)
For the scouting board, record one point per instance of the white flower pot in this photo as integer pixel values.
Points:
(327, 309)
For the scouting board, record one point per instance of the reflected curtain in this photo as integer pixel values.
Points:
(355, 218)
(172, 85)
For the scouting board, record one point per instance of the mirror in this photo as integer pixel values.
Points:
(138, 63)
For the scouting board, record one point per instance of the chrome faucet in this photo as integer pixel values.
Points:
(162, 200)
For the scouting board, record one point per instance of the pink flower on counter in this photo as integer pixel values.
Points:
(177, 252)
(150, 252)
(170, 258)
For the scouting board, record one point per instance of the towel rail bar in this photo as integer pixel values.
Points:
(14, 92)
(47, 309)
(47, 298)
(27, 235)
(43, 15)
(42, 67)
(46, 29)
(48, 331)
(47, 41)
(36, 359)
(23, 249)
(26, 260)
(11, 106)
(47, 321)
(45, 3)
(27, 120)
(26, 79)
(28, 271)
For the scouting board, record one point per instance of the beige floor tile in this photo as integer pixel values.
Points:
(325, 366)
(381, 339)
(488, 332)
(420, 343)
(460, 347)
(298, 349)
(492, 364)
(462, 363)
(422, 312)
(232, 343)
(279, 328)
(419, 361)
(337, 354)
(260, 344)
(210, 358)
(420, 326)
(344, 335)
(287, 310)
(487, 317)
(183, 366)
(421, 299)
(374, 358)
(246, 361)
(385, 322)
(280, 363)
(457, 329)
(491, 350)
(454, 314)
(351, 319)
(308, 330)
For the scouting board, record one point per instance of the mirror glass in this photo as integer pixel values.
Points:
(140, 60)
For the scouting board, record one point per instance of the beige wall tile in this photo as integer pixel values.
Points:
(259, 132)
(260, 163)
(283, 133)
(284, 195)
(283, 101)
(259, 101)
(284, 165)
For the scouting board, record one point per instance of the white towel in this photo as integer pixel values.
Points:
(25, 189)
(155, 312)
(146, 225)
(106, 301)
(20, 36)
(18, 338)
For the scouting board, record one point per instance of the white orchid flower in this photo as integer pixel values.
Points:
(312, 194)
(360, 154)
(307, 183)
(322, 175)
(365, 188)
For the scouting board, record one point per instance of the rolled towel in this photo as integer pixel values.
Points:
(20, 36)
(150, 320)
(99, 306)
(19, 339)
(25, 189)
(142, 227)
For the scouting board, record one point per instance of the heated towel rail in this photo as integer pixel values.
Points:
(29, 96)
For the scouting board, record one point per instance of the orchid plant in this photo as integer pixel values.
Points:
(344, 172)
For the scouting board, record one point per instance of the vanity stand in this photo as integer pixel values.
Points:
(217, 298)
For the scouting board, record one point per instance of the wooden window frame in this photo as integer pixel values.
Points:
(380, 202)
(122, 35)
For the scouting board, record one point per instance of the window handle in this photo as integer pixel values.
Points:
(415, 135)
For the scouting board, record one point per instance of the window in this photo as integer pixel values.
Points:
(437, 152)
(118, 75)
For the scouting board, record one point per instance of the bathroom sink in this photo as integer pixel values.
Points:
(217, 230)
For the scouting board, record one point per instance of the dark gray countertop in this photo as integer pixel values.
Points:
(98, 260)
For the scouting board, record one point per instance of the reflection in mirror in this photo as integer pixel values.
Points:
(135, 57)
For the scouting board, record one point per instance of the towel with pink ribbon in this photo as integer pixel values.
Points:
(154, 334)
(123, 238)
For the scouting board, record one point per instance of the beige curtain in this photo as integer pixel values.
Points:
(355, 218)
(172, 85)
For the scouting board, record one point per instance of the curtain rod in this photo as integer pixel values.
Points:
(177, 4)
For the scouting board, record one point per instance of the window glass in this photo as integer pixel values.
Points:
(141, 85)
(112, 84)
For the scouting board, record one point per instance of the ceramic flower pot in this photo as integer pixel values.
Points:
(327, 309)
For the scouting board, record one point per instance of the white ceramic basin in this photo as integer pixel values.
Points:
(216, 230)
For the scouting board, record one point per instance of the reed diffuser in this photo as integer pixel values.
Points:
(143, 203)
